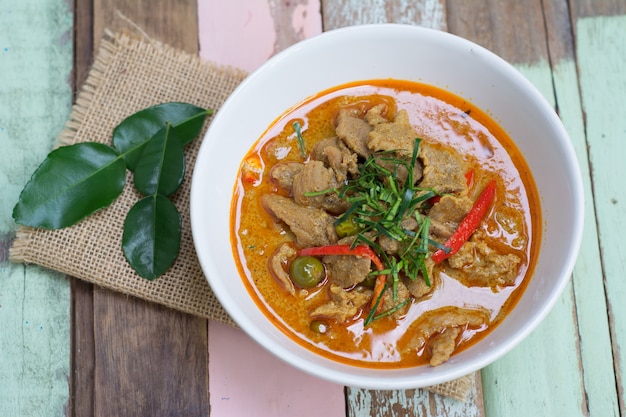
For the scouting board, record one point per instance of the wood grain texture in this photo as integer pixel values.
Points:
(35, 99)
(170, 21)
(245, 379)
(134, 358)
(362, 402)
(601, 52)
(427, 13)
(150, 359)
(82, 357)
(513, 30)
(517, 32)
(131, 357)
(246, 33)
(594, 8)
(413, 402)
(596, 358)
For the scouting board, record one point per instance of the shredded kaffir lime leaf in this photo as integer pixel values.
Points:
(379, 203)
(298, 129)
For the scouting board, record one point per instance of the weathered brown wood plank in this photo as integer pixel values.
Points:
(151, 361)
(594, 8)
(82, 337)
(170, 21)
(513, 30)
(132, 357)
(532, 36)
(361, 402)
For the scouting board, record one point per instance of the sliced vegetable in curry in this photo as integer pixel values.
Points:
(381, 225)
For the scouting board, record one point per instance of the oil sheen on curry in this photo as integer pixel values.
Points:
(385, 224)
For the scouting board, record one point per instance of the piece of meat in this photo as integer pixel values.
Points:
(437, 320)
(313, 178)
(442, 346)
(278, 263)
(398, 135)
(388, 244)
(353, 131)
(446, 214)
(374, 116)
(343, 304)
(346, 270)
(389, 302)
(336, 155)
(417, 287)
(483, 266)
(282, 174)
(444, 171)
(311, 226)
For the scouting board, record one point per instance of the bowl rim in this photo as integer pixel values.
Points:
(402, 381)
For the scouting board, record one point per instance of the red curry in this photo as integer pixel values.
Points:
(471, 223)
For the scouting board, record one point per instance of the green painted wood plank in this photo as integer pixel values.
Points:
(35, 100)
(541, 376)
(601, 54)
(591, 307)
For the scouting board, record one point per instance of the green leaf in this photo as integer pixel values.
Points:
(71, 183)
(161, 167)
(151, 237)
(130, 136)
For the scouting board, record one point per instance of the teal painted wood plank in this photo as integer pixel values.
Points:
(601, 52)
(35, 100)
(541, 376)
(593, 324)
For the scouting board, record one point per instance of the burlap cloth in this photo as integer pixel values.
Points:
(128, 75)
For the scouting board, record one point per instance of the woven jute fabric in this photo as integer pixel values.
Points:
(130, 74)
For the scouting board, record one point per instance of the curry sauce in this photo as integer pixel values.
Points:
(473, 304)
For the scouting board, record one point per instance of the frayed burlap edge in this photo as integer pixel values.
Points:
(458, 389)
(91, 250)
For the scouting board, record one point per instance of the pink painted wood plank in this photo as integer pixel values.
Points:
(245, 33)
(245, 379)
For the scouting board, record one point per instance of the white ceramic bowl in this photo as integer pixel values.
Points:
(400, 52)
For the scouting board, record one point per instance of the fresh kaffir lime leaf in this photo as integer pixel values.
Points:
(161, 167)
(77, 180)
(72, 182)
(134, 132)
(151, 238)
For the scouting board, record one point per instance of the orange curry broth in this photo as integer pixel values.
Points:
(438, 116)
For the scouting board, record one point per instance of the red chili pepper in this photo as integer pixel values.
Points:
(363, 251)
(469, 178)
(469, 224)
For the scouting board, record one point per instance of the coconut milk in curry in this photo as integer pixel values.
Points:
(385, 224)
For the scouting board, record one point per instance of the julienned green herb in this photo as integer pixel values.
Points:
(379, 202)
(75, 181)
(298, 129)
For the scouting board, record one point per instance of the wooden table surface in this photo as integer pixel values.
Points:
(68, 348)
